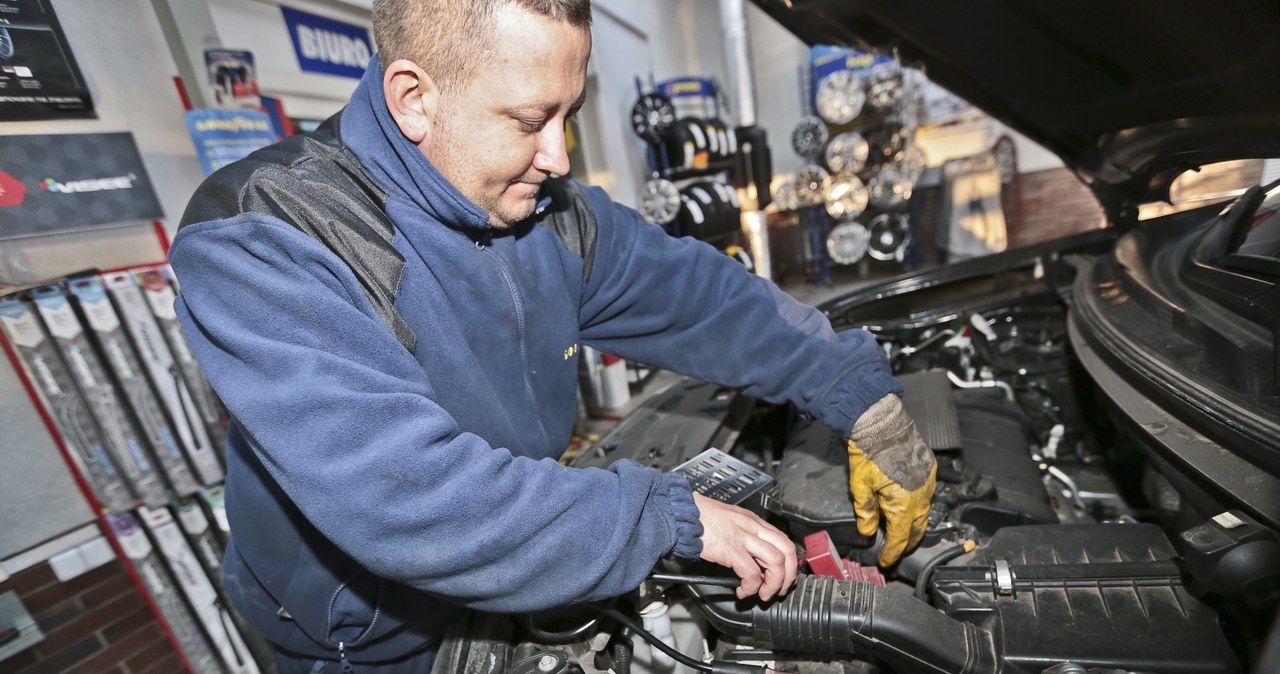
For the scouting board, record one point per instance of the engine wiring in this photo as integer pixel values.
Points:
(626, 621)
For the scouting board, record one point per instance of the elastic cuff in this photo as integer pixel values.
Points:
(684, 517)
(883, 421)
(857, 392)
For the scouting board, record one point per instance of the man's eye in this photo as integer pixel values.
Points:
(531, 126)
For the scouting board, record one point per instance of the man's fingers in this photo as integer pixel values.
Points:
(773, 562)
(790, 560)
(745, 566)
(896, 536)
(865, 506)
(918, 527)
(778, 558)
(761, 555)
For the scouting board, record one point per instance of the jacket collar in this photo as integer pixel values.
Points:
(369, 131)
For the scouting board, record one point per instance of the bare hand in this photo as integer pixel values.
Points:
(763, 557)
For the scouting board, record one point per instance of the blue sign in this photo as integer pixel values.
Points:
(327, 46)
(687, 86)
(222, 136)
(827, 59)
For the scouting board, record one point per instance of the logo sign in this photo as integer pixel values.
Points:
(327, 46)
(827, 59)
(687, 86)
(72, 181)
(11, 191)
(224, 136)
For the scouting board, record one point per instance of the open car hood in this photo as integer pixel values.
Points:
(1128, 94)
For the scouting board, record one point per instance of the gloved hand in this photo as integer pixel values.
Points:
(891, 471)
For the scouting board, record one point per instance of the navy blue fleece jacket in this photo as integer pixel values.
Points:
(367, 483)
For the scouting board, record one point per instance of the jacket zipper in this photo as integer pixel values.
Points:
(520, 328)
(342, 645)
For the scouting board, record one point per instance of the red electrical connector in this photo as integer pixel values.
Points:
(823, 560)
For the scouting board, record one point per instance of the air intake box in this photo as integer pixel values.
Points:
(1098, 595)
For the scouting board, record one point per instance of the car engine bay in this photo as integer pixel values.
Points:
(1055, 543)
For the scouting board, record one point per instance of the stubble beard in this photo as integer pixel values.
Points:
(453, 168)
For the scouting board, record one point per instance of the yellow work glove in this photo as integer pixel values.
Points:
(891, 471)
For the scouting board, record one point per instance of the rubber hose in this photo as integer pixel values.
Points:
(922, 582)
(823, 616)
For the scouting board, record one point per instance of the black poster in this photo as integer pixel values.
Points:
(71, 181)
(38, 75)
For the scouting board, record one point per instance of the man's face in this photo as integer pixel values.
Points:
(499, 135)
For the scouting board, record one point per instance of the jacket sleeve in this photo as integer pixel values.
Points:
(342, 418)
(682, 305)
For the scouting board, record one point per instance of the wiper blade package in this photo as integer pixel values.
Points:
(160, 296)
(171, 386)
(164, 592)
(198, 589)
(70, 413)
(101, 319)
(123, 439)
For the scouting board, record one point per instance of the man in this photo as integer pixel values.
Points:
(391, 311)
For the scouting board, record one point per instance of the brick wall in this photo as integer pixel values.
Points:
(1044, 205)
(95, 623)
(1054, 203)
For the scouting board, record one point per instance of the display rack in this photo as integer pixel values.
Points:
(856, 135)
(690, 154)
(129, 416)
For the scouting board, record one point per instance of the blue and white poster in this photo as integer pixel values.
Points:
(223, 136)
(326, 46)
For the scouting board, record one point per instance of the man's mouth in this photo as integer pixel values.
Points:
(536, 186)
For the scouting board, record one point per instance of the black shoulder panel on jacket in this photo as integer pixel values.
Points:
(316, 184)
(571, 217)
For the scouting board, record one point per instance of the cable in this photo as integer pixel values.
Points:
(653, 640)
(683, 579)
(558, 638)
(922, 583)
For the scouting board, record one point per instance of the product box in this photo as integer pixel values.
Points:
(215, 502)
(101, 319)
(200, 592)
(160, 296)
(201, 537)
(209, 548)
(80, 433)
(146, 560)
(123, 439)
(169, 385)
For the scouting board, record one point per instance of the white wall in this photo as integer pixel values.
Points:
(777, 57)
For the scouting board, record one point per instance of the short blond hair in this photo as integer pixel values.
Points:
(446, 37)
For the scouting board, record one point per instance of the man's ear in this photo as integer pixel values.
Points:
(412, 98)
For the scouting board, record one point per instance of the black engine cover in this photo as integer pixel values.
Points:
(1098, 595)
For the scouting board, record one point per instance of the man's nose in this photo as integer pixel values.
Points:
(553, 155)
